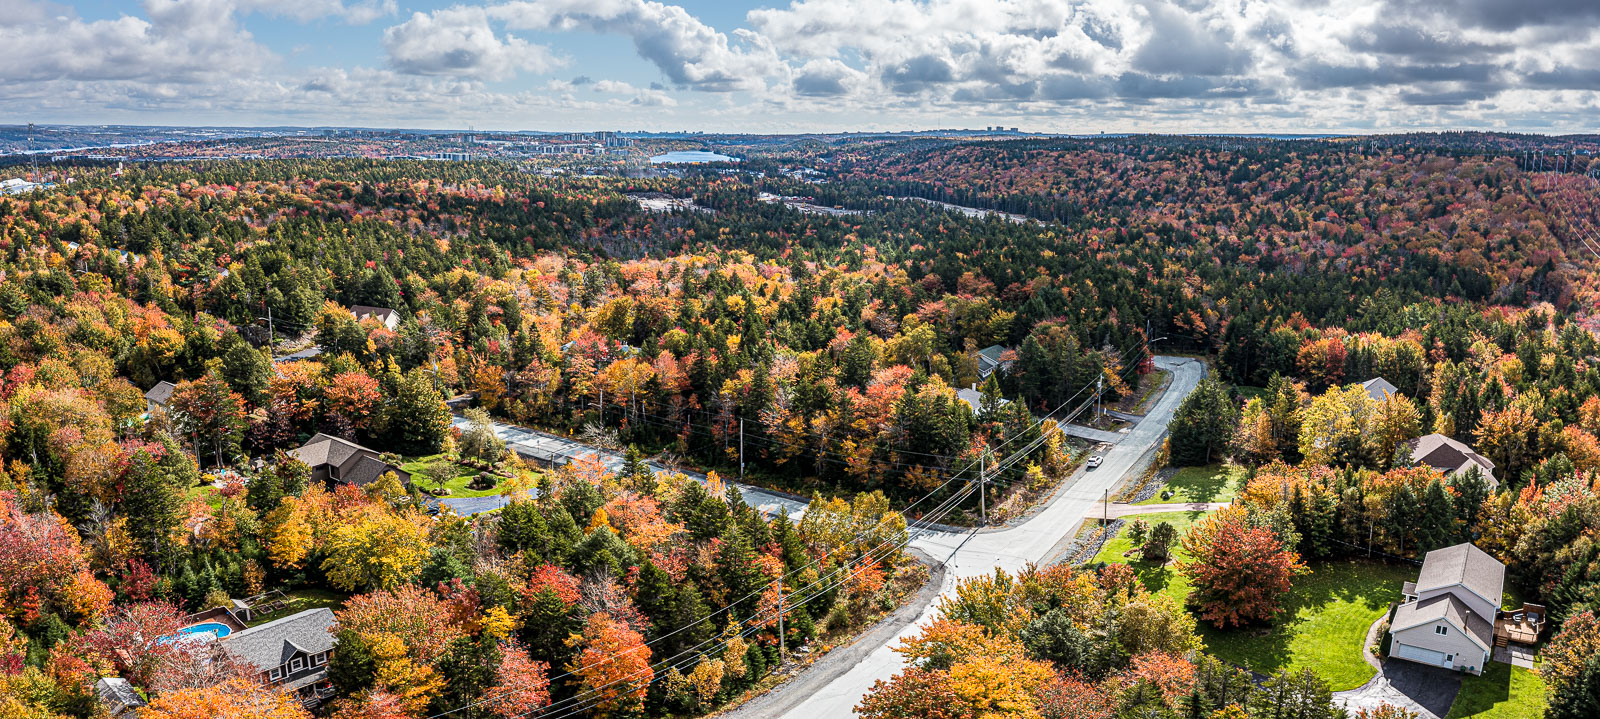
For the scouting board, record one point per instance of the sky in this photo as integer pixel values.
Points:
(1074, 66)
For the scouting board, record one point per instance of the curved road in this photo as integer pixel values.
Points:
(969, 555)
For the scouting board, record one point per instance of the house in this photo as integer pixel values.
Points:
(389, 318)
(1379, 388)
(1451, 457)
(290, 653)
(1448, 616)
(974, 397)
(336, 460)
(991, 358)
(118, 697)
(158, 396)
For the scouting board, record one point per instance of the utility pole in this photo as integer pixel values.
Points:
(741, 463)
(983, 499)
(1099, 384)
(783, 641)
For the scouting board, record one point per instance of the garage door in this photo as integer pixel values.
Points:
(1418, 654)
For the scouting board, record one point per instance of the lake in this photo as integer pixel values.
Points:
(690, 156)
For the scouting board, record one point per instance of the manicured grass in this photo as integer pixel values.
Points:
(457, 485)
(300, 600)
(1324, 620)
(1503, 692)
(1162, 579)
(208, 493)
(1322, 626)
(1214, 483)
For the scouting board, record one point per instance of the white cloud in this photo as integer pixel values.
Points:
(690, 53)
(459, 42)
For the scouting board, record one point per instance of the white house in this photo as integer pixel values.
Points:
(159, 396)
(389, 318)
(1448, 616)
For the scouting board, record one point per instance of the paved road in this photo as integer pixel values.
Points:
(974, 554)
(561, 450)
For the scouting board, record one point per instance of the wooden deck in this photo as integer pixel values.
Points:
(1514, 631)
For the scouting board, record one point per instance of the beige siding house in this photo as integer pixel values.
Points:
(1447, 619)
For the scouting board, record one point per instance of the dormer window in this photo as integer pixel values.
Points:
(276, 674)
(298, 664)
(1441, 630)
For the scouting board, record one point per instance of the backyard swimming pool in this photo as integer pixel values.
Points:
(216, 630)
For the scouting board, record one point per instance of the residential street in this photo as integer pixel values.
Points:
(971, 554)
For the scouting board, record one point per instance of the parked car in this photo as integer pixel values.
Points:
(1095, 461)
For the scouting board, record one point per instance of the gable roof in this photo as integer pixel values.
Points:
(118, 695)
(327, 449)
(381, 314)
(161, 393)
(1465, 565)
(367, 469)
(1448, 608)
(274, 643)
(1377, 387)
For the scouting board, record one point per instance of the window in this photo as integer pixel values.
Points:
(1441, 630)
(276, 674)
(320, 660)
(297, 664)
(1449, 659)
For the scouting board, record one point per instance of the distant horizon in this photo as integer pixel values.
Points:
(1006, 130)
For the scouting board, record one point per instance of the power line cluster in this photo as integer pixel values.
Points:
(587, 699)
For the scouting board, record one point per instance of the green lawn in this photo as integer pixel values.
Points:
(1322, 626)
(300, 600)
(1156, 579)
(457, 485)
(1324, 619)
(1214, 483)
(209, 494)
(1503, 692)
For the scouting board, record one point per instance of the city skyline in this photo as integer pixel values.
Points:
(807, 66)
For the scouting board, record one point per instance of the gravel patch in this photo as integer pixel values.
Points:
(1087, 544)
(1153, 487)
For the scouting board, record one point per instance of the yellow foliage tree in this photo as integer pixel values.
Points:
(378, 552)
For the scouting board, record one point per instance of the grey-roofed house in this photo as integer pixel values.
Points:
(159, 396)
(992, 358)
(1377, 388)
(290, 653)
(389, 318)
(974, 397)
(1448, 616)
(336, 460)
(118, 697)
(1451, 457)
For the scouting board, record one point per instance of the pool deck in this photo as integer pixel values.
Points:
(219, 615)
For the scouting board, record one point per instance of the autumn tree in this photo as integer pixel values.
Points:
(613, 665)
(211, 414)
(240, 698)
(415, 418)
(379, 551)
(1238, 572)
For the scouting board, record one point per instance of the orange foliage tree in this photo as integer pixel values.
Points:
(1238, 572)
(235, 699)
(614, 665)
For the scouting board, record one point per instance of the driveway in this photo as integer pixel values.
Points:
(1428, 691)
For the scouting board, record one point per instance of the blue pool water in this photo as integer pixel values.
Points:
(214, 629)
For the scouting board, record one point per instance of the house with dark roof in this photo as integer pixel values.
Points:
(991, 358)
(1379, 388)
(1451, 457)
(390, 319)
(334, 460)
(1449, 614)
(159, 396)
(290, 653)
(118, 697)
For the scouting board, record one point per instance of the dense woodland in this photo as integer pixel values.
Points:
(832, 345)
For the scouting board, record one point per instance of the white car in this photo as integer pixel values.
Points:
(1095, 461)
